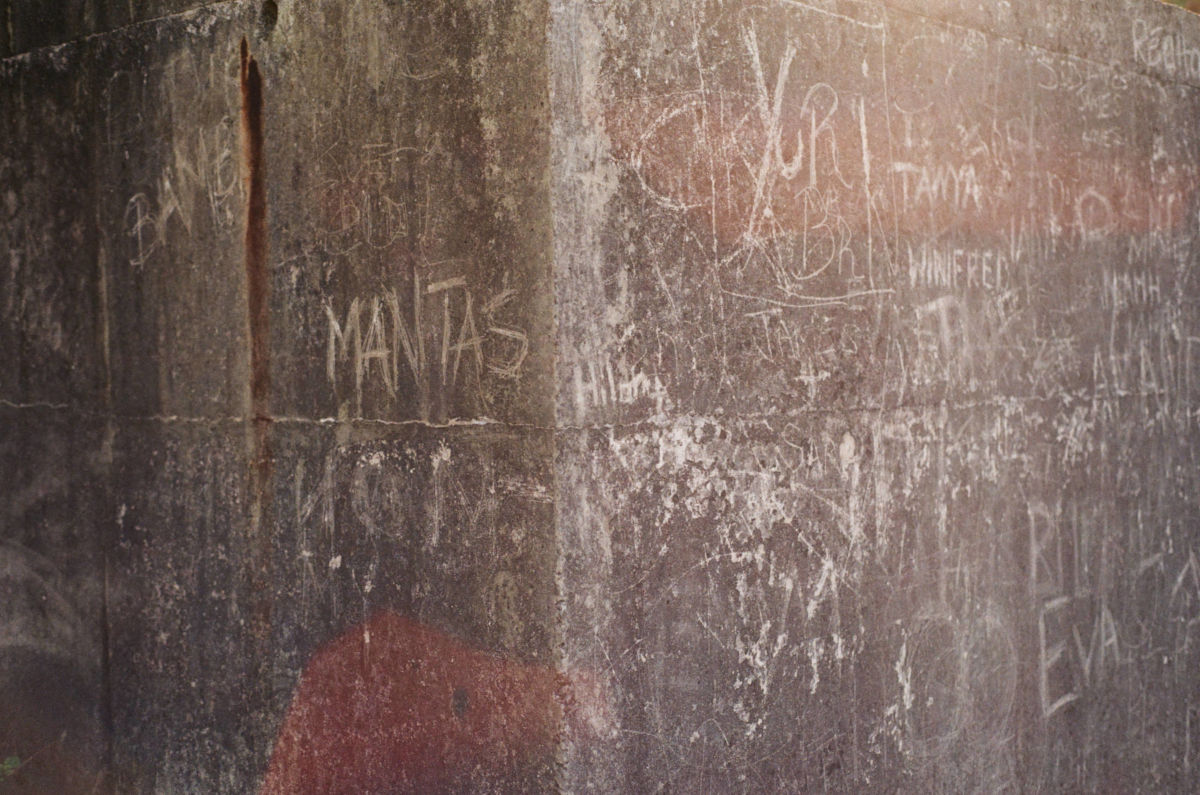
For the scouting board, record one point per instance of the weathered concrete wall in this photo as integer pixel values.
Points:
(565, 396)
(277, 358)
(877, 388)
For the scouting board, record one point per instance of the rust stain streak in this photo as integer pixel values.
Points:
(257, 282)
(257, 312)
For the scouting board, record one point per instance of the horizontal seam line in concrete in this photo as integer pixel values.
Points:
(656, 421)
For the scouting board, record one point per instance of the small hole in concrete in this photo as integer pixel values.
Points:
(268, 17)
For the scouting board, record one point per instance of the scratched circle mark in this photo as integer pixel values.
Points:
(964, 672)
(933, 719)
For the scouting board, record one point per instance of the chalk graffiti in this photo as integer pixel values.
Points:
(600, 385)
(939, 186)
(383, 341)
(201, 176)
(955, 269)
(1160, 47)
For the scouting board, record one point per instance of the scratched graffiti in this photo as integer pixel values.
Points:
(418, 526)
(417, 256)
(204, 169)
(807, 200)
(413, 349)
(798, 395)
(916, 298)
(948, 619)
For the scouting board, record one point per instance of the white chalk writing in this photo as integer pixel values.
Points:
(381, 341)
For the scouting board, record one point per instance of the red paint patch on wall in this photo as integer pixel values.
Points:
(742, 174)
(395, 706)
